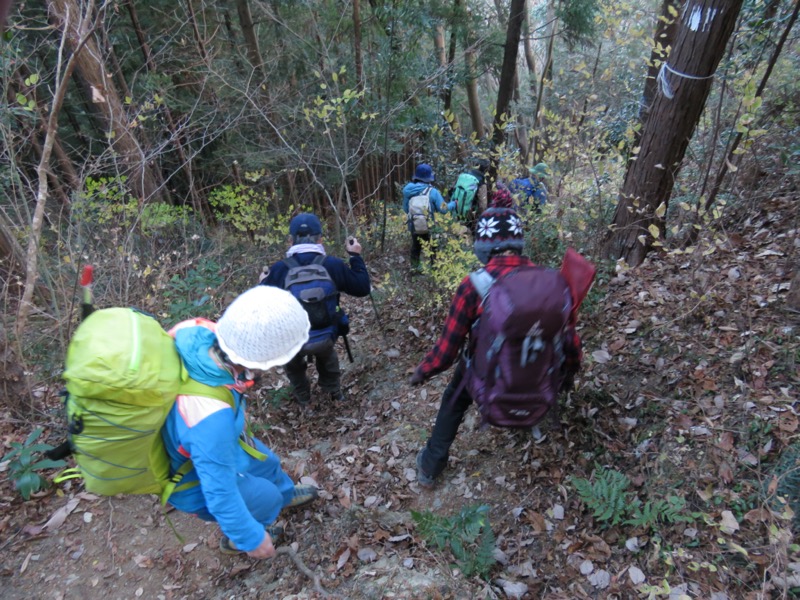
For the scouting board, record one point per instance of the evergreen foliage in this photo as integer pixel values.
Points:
(467, 534)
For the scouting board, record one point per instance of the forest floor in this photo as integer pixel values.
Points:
(689, 390)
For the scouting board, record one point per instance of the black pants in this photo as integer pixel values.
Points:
(327, 367)
(416, 247)
(451, 414)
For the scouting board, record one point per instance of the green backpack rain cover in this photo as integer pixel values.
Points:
(464, 194)
(123, 375)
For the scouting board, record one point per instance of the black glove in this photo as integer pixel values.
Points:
(416, 378)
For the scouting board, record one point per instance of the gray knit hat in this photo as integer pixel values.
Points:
(262, 328)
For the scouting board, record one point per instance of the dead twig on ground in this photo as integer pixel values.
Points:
(305, 570)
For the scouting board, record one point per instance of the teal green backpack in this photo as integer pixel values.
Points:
(464, 194)
(123, 375)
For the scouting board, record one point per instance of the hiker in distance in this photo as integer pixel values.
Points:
(470, 194)
(317, 280)
(531, 190)
(235, 479)
(499, 243)
(421, 201)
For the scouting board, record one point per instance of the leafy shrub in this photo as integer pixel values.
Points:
(787, 471)
(245, 209)
(454, 260)
(608, 499)
(191, 296)
(24, 463)
(467, 534)
(606, 496)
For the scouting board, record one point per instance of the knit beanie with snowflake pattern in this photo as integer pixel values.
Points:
(498, 229)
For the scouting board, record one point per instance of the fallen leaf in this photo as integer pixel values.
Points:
(343, 558)
(513, 589)
(143, 562)
(728, 522)
(400, 538)
(636, 575)
(58, 518)
(725, 472)
(189, 547)
(367, 555)
(601, 356)
(600, 579)
(757, 514)
(414, 330)
(25, 563)
(725, 441)
(632, 544)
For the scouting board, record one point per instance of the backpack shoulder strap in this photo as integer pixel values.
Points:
(318, 260)
(192, 387)
(482, 281)
(291, 262)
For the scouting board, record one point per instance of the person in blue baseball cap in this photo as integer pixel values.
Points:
(421, 200)
(316, 280)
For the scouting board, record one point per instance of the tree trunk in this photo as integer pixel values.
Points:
(666, 29)
(451, 58)
(73, 24)
(704, 30)
(508, 71)
(472, 94)
(527, 45)
(92, 74)
(544, 81)
(176, 134)
(357, 58)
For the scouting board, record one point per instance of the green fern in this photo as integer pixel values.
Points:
(606, 496)
(467, 534)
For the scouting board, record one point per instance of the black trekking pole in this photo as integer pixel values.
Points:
(347, 348)
(64, 449)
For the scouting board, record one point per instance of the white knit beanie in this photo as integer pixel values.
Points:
(262, 328)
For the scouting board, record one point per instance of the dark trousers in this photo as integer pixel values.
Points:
(416, 246)
(327, 367)
(451, 413)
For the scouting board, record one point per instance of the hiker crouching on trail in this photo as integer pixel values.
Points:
(235, 480)
(499, 242)
(317, 280)
(421, 200)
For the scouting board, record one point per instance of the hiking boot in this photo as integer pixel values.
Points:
(423, 478)
(337, 396)
(301, 398)
(226, 546)
(302, 495)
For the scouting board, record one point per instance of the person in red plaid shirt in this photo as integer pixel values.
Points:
(499, 242)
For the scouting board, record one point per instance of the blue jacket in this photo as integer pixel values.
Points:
(352, 280)
(208, 430)
(529, 188)
(438, 203)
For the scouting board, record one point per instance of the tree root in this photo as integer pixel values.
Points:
(301, 566)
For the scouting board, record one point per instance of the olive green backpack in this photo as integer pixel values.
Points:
(123, 375)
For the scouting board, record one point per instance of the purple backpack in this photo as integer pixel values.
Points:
(515, 372)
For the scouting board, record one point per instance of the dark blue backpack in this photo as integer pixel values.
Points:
(312, 285)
